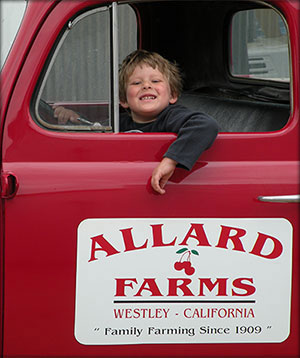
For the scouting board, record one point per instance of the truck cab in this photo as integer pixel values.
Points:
(94, 263)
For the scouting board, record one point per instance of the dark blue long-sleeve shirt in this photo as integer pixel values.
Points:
(196, 132)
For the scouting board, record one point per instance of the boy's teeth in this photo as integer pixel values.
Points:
(148, 97)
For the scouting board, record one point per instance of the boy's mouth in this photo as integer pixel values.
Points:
(147, 97)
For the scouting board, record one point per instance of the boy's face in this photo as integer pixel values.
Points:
(148, 93)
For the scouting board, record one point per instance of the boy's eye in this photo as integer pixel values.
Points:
(156, 81)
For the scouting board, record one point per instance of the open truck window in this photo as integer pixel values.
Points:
(235, 69)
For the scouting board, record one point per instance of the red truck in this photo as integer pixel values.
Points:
(94, 263)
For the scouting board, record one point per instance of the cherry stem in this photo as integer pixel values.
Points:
(189, 256)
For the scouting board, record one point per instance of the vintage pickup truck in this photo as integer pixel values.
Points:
(94, 263)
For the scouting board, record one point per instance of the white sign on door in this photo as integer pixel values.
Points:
(183, 281)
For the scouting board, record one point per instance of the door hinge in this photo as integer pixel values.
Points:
(9, 185)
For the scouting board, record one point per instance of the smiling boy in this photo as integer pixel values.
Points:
(149, 87)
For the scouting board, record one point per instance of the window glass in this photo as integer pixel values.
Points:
(78, 77)
(259, 45)
(127, 34)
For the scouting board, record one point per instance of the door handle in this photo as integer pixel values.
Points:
(9, 185)
(280, 199)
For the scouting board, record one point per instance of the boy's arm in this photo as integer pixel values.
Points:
(195, 133)
(162, 173)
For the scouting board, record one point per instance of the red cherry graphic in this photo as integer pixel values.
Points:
(178, 266)
(185, 261)
(186, 264)
(190, 271)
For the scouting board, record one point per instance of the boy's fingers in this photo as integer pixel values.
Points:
(157, 184)
(162, 174)
(159, 181)
(64, 115)
(59, 114)
(163, 181)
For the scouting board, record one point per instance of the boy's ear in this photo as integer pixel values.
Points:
(124, 104)
(173, 99)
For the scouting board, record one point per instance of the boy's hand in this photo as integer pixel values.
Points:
(162, 173)
(64, 115)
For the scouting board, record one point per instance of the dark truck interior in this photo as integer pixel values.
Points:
(196, 34)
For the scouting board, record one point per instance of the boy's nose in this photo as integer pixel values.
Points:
(147, 85)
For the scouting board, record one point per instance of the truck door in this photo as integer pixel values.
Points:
(95, 262)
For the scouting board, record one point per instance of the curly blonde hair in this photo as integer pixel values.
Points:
(168, 69)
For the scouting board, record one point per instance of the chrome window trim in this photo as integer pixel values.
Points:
(115, 67)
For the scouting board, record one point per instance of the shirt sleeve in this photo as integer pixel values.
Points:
(196, 132)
